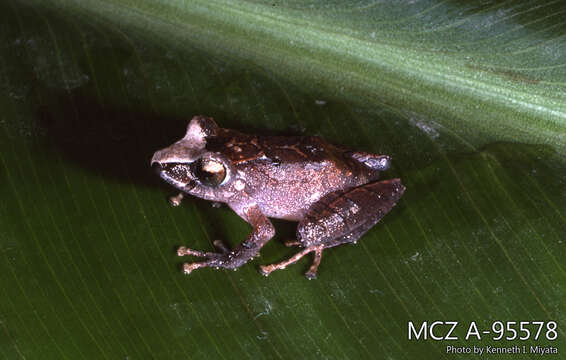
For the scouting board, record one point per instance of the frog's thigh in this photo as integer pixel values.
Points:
(344, 216)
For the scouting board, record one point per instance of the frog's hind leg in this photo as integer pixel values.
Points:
(317, 249)
(345, 215)
(341, 217)
(311, 274)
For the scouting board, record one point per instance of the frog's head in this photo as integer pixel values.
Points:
(190, 167)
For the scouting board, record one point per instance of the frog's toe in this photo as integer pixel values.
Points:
(291, 243)
(310, 275)
(265, 270)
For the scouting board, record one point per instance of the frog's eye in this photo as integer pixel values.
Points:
(209, 172)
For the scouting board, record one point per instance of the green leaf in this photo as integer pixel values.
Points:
(467, 98)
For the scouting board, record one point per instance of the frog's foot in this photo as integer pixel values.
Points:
(310, 274)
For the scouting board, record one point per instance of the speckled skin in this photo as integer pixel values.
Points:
(329, 189)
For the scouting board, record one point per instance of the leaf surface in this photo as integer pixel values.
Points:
(467, 98)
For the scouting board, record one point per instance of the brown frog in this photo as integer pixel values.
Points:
(330, 190)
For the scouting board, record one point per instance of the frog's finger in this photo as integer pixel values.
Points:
(189, 267)
(183, 251)
(176, 200)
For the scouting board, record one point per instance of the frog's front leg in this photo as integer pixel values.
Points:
(341, 217)
(262, 232)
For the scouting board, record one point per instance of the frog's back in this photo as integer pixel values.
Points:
(243, 148)
(285, 175)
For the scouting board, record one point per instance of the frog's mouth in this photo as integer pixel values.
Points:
(176, 174)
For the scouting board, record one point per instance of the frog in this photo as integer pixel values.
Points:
(333, 192)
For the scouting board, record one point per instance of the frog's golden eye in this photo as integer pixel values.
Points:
(209, 171)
